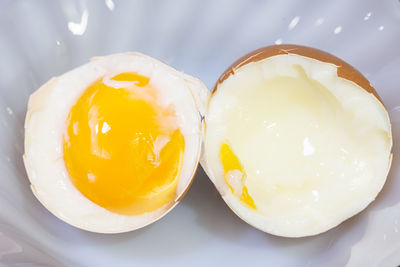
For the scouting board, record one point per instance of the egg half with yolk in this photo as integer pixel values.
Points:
(113, 145)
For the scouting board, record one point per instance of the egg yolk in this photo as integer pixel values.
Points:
(122, 150)
(234, 175)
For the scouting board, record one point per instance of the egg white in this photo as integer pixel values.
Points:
(45, 124)
(305, 221)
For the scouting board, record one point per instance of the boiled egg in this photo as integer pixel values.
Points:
(296, 140)
(113, 145)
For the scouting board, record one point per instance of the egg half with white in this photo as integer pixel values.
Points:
(296, 140)
(113, 145)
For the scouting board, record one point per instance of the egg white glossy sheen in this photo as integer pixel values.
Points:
(316, 148)
(45, 124)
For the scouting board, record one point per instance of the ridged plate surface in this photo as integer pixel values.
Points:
(40, 39)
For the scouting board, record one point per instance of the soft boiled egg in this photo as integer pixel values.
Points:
(113, 145)
(296, 140)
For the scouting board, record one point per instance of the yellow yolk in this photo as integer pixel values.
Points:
(122, 150)
(234, 175)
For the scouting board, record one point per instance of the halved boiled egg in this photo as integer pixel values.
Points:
(113, 145)
(296, 140)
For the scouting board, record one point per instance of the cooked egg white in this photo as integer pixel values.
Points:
(293, 148)
(112, 146)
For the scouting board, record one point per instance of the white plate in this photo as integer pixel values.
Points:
(40, 39)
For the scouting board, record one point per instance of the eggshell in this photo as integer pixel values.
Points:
(345, 70)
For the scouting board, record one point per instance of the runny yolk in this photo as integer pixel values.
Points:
(232, 166)
(122, 150)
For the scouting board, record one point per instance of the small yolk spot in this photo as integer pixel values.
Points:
(122, 150)
(235, 175)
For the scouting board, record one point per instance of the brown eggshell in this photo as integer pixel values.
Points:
(345, 70)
